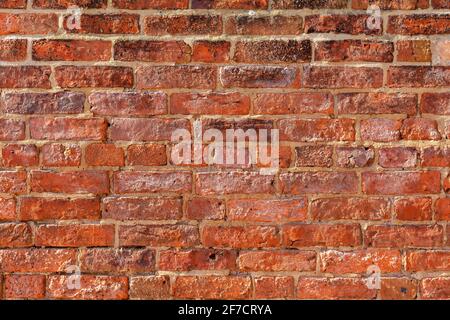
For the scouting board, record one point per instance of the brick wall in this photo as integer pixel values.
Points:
(87, 180)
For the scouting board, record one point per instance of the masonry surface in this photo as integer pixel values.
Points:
(87, 180)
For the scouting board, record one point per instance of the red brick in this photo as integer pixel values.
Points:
(28, 23)
(390, 4)
(258, 77)
(334, 289)
(120, 208)
(435, 103)
(146, 155)
(417, 209)
(87, 181)
(151, 182)
(397, 157)
(13, 181)
(128, 103)
(354, 157)
(13, 50)
(11, 130)
(75, 235)
(105, 24)
(264, 25)
(380, 130)
(46, 128)
(62, 102)
(314, 156)
(397, 183)
(274, 287)
(37, 260)
(271, 261)
(25, 286)
(418, 77)
(150, 287)
(212, 287)
(354, 50)
(169, 77)
(155, 4)
(61, 155)
(309, 130)
(13, 4)
(420, 129)
(7, 209)
(71, 50)
(158, 235)
(62, 4)
(197, 259)
(230, 4)
(440, 4)
(309, 4)
(26, 155)
(442, 209)
(273, 51)
(333, 23)
(99, 154)
(404, 236)
(342, 77)
(152, 51)
(418, 261)
(398, 289)
(232, 103)
(92, 288)
(377, 103)
(117, 260)
(293, 103)
(25, 77)
(323, 235)
(414, 50)
(205, 209)
(343, 262)
(426, 24)
(276, 210)
(318, 182)
(33, 208)
(435, 288)
(183, 25)
(94, 76)
(233, 182)
(328, 209)
(240, 237)
(15, 235)
(211, 51)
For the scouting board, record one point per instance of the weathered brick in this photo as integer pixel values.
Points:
(377, 103)
(7, 209)
(390, 4)
(158, 235)
(93, 287)
(309, 4)
(414, 50)
(13, 4)
(61, 155)
(205, 209)
(104, 24)
(28, 23)
(435, 103)
(62, 4)
(13, 182)
(334, 23)
(183, 25)
(334, 288)
(92, 77)
(121, 260)
(87, 181)
(150, 287)
(274, 287)
(240, 237)
(342, 77)
(146, 155)
(293, 103)
(435, 288)
(440, 4)
(427, 24)
(71, 50)
(322, 235)
(74, 235)
(354, 157)
(398, 289)
(168, 77)
(413, 209)
(13, 50)
(271, 261)
(46, 128)
(15, 235)
(417, 261)
(102, 154)
(211, 51)
(258, 77)
(273, 51)
(37, 260)
(25, 286)
(25, 155)
(442, 209)
(121, 208)
(418, 76)
(397, 157)
(354, 50)
(230, 4)
(314, 156)
(328, 209)
(264, 25)
(25, 77)
(155, 4)
(309, 130)
(420, 129)
(152, 51)
(62, 102)
(33, 208)
(197, 259)
(380, 129)
(404, 236)
(151, 182)
(210, 103)
(318, 182)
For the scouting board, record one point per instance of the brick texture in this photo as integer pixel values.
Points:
(88, 178)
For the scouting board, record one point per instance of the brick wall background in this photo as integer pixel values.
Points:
(87, 179)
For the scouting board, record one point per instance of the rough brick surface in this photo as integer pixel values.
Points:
(91, 110)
